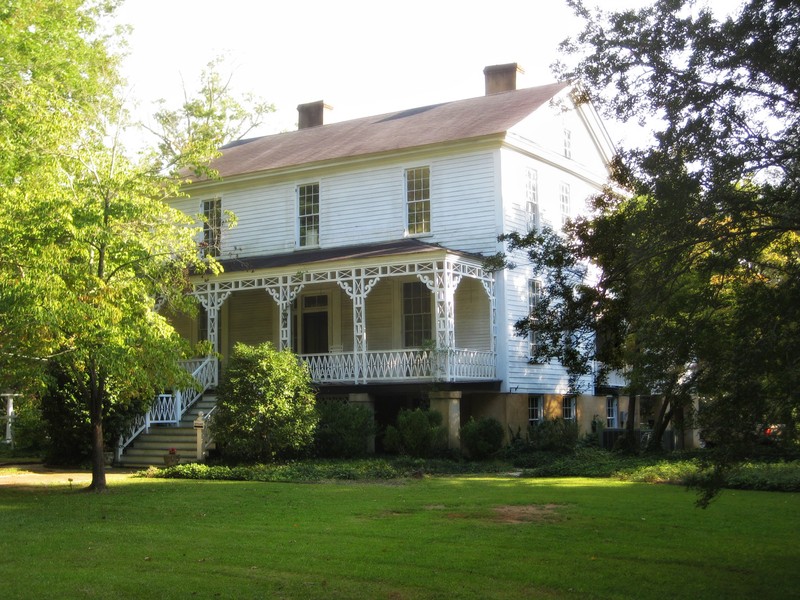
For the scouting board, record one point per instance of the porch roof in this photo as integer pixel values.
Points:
(359, 252)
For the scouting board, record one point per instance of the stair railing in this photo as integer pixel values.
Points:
(170, 408)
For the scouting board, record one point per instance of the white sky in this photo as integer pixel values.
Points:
(363, 57)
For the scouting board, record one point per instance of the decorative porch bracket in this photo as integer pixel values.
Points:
(443, 284)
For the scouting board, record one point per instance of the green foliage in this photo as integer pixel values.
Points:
(419, 433)
(343, 430)
(482, 438)
(29, 432)
(89, 242)
(265, 405)
(555, 434)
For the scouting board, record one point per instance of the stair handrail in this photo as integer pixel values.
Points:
(204, 374)
(208, 438)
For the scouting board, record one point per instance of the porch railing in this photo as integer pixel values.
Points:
(170, 408)
(397, 365)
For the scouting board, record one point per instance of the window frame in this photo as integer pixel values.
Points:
(569, 408)
(532, 198)
(612, 412)
(417, 191)
(567, 142)
(308, 221)
(212, 226)
(534, 296)
(535, 409)
(565, 201)
(419, 318)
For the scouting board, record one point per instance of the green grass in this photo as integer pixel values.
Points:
(437, 537)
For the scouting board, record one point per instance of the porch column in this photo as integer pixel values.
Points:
(284, 295)
(212, 300)
(357, 287)
(444, 286)
(448, 404)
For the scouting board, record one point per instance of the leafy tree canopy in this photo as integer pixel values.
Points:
(89, 242)
(696, 239)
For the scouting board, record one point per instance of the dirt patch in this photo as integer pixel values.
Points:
(29, 476)
(531, 513)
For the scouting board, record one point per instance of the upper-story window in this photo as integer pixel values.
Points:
(564, 199)
(212, 227)
(308, 214)
(534, 294)
(416, 314)
(418, 200)
(567, 143)
(532, 199)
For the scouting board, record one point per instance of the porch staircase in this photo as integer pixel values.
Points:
(150, 446)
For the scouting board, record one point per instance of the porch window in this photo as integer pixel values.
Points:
(568, 411)
(418, 200)
(612, 407)
(532, 199)
(308, 214)
(535, 409)
(534, 294)
(202, 323)
(416, 315)
(212, 227)
(564, 199)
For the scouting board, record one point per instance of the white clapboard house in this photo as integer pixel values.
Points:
(360, 245)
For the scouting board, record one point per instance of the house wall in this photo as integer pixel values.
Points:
(362, 205)
(511, 410)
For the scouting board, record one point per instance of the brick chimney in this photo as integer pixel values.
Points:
(311, 114)
(501, 78)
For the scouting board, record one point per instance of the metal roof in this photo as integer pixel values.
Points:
(438, 123)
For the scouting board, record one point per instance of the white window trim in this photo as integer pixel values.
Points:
(572, 408)
(299, 237)
(407, 201)
(532, 199)
(534, 294)
(212, 249)
(535, 406)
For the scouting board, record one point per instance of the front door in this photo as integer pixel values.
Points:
(315, 324)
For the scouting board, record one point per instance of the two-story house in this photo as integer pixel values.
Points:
(360, 245)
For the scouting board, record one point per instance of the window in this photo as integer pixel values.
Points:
(568, 408)
(202, 323)
(567, 143)
(535, 409)
(534, 294)
(212, 227)
(563, 196)
(308, 214)
(416, 314)
(532, 199)
(418, 200)
(611, 411)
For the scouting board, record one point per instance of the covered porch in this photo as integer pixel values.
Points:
(403, 311)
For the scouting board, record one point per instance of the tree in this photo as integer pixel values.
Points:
(265, 405)
(92, 243)
(700, 252)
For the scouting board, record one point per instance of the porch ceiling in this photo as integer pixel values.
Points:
(361, 252)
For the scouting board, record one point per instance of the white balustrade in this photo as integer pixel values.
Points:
(398, 365)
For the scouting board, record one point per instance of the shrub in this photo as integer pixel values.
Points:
(418, 433)
(554, 434)
(343, 430)
(265, 405)
(482, 438)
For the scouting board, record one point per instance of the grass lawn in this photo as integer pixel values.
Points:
(441, 537)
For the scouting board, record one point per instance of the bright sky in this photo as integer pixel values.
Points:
(363, 57)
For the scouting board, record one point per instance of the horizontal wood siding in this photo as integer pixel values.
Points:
(472, 318)
(252, 318)
(382, 311)
(463, 203)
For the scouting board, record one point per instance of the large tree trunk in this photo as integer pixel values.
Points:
(96, 392)
(663, 419)
(628, 442)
